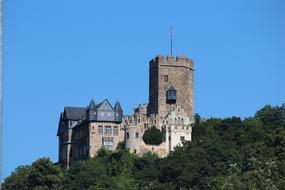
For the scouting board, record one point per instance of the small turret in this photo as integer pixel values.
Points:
(92, 111)
(92, 105)
(118, 112)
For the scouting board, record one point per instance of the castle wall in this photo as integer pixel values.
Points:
(160, 150)
(135, 143)
(153, 86)
(177, 134)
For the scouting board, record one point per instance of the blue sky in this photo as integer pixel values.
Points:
(59, 53)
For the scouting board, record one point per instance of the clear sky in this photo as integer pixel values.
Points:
(64, 53)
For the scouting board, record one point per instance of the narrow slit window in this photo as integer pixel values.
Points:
(165, 78)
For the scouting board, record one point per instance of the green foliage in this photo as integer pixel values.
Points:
(224, 154)
(18, 180)
(152, 136)
(42, 174)
(121, 146)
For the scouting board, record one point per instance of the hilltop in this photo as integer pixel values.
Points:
(225, 153)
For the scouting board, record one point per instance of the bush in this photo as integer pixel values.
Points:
(152, 136)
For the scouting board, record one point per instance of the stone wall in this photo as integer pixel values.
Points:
(160, 150)
(175, 134)
(135, 144)
(95, 142)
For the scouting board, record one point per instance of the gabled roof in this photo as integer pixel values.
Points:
(74, 113)
(118, 106)
(104, 105)
(172, 88)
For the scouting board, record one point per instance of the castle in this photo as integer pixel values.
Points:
(82, 131)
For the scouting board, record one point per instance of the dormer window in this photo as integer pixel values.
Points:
(171, 95)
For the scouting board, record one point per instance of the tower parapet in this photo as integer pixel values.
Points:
(174, 61)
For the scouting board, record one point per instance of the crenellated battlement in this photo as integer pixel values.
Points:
(170, 60)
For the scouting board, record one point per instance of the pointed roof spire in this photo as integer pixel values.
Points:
(92, 105)
(118, 106)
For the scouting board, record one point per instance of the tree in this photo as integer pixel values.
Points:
(42, 174)
(197, 120)
(152, 136)
(18, 180)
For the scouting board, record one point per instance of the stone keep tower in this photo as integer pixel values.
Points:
(171, 83)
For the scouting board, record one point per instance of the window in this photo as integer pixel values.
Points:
(100, 129)
(107, 143)
(128, 135)
(145, 125)
(108, 130)
(115, 130)
(137, 135)
(182, 138)
(171, 95)
(165, 78)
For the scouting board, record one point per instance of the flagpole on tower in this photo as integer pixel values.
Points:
(171, 35)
